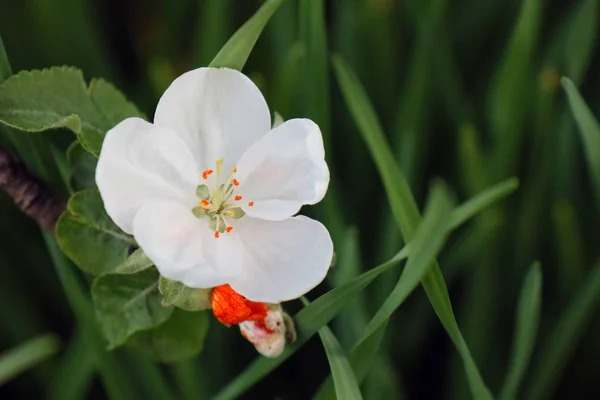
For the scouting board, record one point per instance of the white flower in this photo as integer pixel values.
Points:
(209, 190)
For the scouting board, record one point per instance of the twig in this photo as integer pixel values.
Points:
(29, 195)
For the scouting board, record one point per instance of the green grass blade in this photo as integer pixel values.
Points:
(311, 318)
(427, 243)
(26, 355)
(483, 200)
(316, 64)
(190, 380)
(237, 49)
(213, 28)
(580, 39)
(527, 323)
(346, 385)
(569, 244)
(507, 104)
(74, 376)
(590, 132)
(562, 342)
(405, 212)
(115, 380)
(353, 319)
(5, 69)
(404, 207)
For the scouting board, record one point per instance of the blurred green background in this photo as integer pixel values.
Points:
(467, 90)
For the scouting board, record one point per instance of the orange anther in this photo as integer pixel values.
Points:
(204, 203)
(235, 182)
(229, 229)
(216, 234)
(234, 169)
(237, 198)
(251, 204)
(206, 173)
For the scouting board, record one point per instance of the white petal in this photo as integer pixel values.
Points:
(283, 171)
(140, 162)
(218, 112)
(183, 247)
(282, 259)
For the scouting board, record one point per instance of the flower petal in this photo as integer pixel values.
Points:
(282, 259)
(283, 171)
(183, 247)
(218, 112)
(140, 162)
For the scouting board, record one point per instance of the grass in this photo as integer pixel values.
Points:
(407, 93)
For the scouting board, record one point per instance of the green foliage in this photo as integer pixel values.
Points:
(59, 98)
(177, 294)
(590, 132)
(136, 262)
(318, 313)
(126, 304)
(528, 316)
(89, 237)
(346, 386)
(82, 168)
(466, 91)
(427, 242)
(26, 355)
(237, 49)
(406, 213)
(560, 345)
(179, 338)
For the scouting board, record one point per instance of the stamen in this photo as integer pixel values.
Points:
(229, 229)
(251, 204)
(235, 182)
(204, 204)
(237, 198)
(206, 173)
(231, 213)
(216, 234)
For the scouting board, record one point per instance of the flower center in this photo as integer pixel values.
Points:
(218, 202)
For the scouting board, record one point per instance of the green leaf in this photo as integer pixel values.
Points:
(35, 101)
(88, 236)
(558, 348)
(111, 103)
(527, 324)
(237, 49)
(27, 355)
(314, 316)
(346, 386)
(126, 304)
(405, 212)
(428, 241)
(82, 167)
(136, 262)
(590, 132)
(177, 294)
(179, 338)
